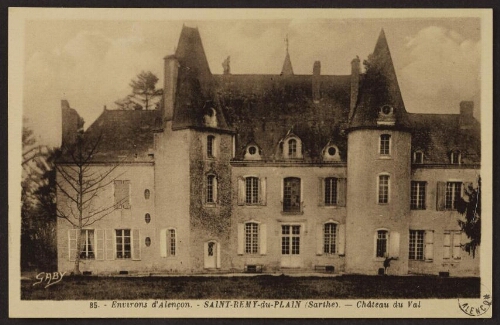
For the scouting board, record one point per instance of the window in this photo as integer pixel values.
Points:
(383, 189)
(87, 244)
(455, 158)
(290, 239)
(123, 246)
(292, 148)
(147, 218)
(330, 191)
(330, 238)
(252, 190)
(418, 157)
(385, 144)
(210, 146)
(453, 192)
(252, 150)
(171, 242)
(452, 245)
(416, 245)
(386, 110)
(147, 194)
(122, 194)
(251, 238)
(382, 240)
(291, 195)
(211, 189)
(418, 195)
(147, 241)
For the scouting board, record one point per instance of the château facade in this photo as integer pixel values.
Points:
(274, 173)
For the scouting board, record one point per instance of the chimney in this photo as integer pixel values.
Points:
(71, 123)
(466, 114)
(169, 86)
(316, 81)
(355, 71)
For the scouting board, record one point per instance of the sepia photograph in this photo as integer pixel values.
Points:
(250, 163)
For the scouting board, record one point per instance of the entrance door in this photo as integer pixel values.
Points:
(210, 255)
(290, 246)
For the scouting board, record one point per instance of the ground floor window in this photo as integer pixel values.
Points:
(382, 240)
(416, 245)
(123, 243)
(171, 242)
(330, 238)
(290, 239)
(87, 244)
(251, 238)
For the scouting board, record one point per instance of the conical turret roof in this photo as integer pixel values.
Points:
(287, 69)
(379, 88)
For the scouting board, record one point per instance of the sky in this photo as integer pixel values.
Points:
(90, 62)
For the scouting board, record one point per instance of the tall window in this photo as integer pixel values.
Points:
(453, 192)
(291, 195)
(292, 148)
(330, 238)
(290, 239)
(418, 195)
(330, 191)
(171, 242)
(123, 246)
(252, 190)
(87, 240)
(452, 245)
(122, 194)
(210, 146)
(382, 239)
(416, 245)
(211, 183)
(383, 189)
(251, 238)
(385, 144)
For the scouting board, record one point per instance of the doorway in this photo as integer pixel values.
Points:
(291, 246)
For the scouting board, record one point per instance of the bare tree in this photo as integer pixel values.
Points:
(80, 185)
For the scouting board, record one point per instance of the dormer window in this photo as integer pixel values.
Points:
(418, 157)
(455, 158)
(252, 152)
(210, 118)
(386, 110)
(386, 115)
(292, 147)
(331, 152)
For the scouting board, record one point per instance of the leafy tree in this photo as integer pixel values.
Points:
(80, 184)
(144, 87)
(470, 208)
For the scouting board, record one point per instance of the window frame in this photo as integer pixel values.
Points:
(251, 239)
(450, 203)
(127, 200)
(455, 157)
(93, 245)
(382, 148)
(422, 196)
(388, 189)
(254, 190)
(378, 238)
(330, 196)
(416, 156)
(210, 146)
(171, 242)
(416, 245)
(331, 241)
(210, 189)
(289, 209)
(122, 250)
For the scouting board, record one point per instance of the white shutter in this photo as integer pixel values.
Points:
(429, 245)
(319, 239)
(241, 238)
(321, 191)
(163, 242)
(394, 240)
(205, 250)
(109, 244)
(263, 191)
(446, 245)
(72, 238)
(215, 190)
(263, 239)
(136, 245)
(218, 255)
(241, 191)
(457, 241)
(99, 244)
(341, 240)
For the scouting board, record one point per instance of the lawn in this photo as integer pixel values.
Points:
(255, 287)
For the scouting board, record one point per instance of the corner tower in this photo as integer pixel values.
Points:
(378, 169)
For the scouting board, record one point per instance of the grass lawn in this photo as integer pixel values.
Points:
(255, 287)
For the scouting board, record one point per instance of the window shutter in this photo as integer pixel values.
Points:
(394, 240)
(441, 196)
(163, 242)
(263, 239)
(63, 246)
(126, 194)
(341, 240)
(136, 245)
(282, 191)
(109, 244)
(263, 191)
(429, 245)
(218, 255)
(299, 149)
(215, 190)
(446, 245)
(241, 191)
(321, 191)
(319, 239)
(118, 194)
(466, 187)
(459, 238)
(205, 250)
(341, 192)
(99, 246)
(241, 238)
(72, 238)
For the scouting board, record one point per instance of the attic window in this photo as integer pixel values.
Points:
(386, 110)
(210, 118)
(418, 157)
(147, 194)
(331, 152)
(455, 158)
(252, 152)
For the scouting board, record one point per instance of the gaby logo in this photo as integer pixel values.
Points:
(49, 278)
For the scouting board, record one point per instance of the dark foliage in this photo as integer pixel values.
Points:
(470, 208)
